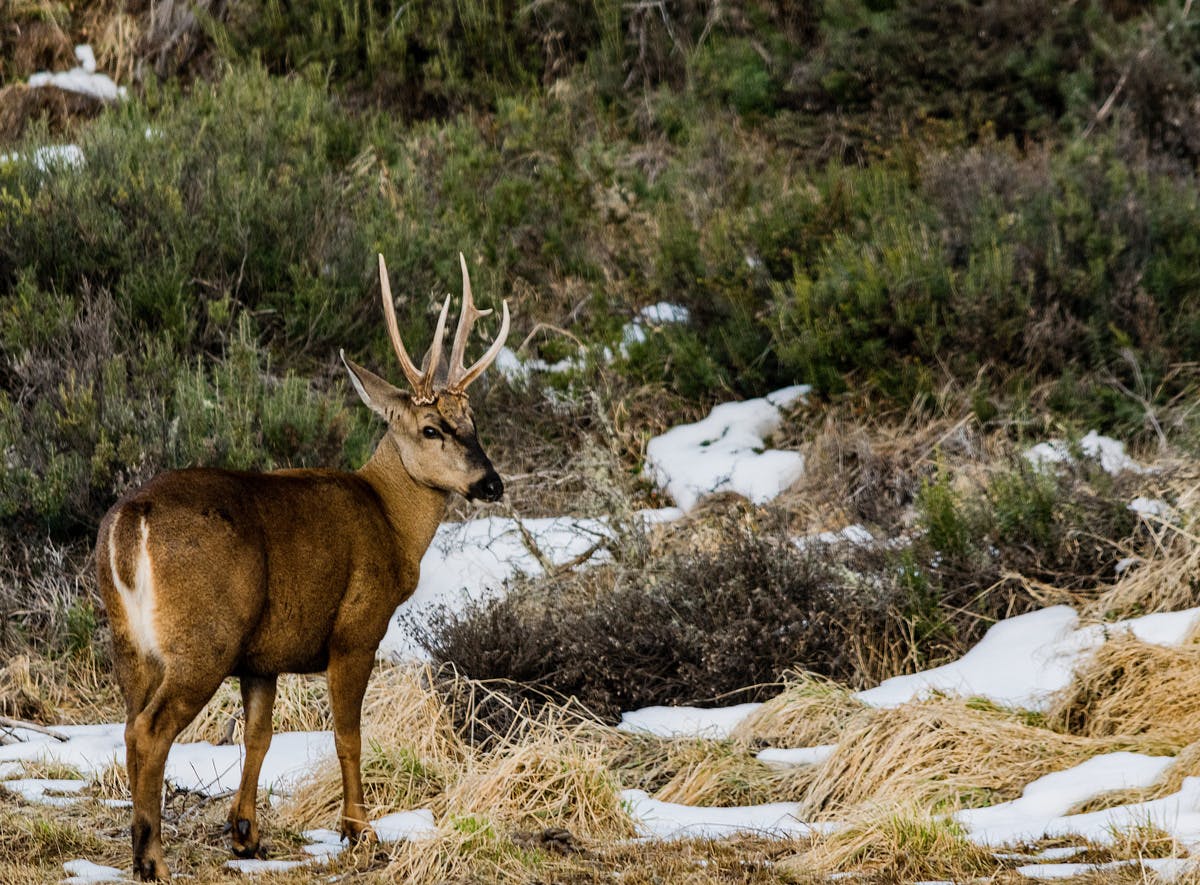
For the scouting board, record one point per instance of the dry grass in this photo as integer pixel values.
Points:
(697, 771)
(906, 844)
(808, 712)
(1168, 580)
(116, 37)
(552, 777)
(547, 772)
(67, 690)
(44, 833)
(109, 783)
(43, 45)
(408, 739)
(942, 753)
(869, 472)
(1130, 687)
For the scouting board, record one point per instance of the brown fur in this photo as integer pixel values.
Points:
(257, 574)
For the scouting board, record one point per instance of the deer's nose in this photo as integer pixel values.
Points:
(490, 488)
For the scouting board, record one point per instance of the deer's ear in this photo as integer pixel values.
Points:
(382, 398)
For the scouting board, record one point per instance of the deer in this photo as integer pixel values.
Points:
(209, 573)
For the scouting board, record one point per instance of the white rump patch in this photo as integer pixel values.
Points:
(139, 599)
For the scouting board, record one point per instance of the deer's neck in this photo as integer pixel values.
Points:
(414, 510)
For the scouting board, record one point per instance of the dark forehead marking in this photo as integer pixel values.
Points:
(455, 411)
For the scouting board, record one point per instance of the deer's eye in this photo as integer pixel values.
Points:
(431, 433)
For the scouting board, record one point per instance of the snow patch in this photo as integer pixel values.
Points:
(80, 871)
(217, 771)
(664, 312)
(1023, 661)
(1153, 507)
(199, 767)
(1177, 814)
(88, 748)
(782, 759)
(1108, 451)
(326, 844)
(405, 825)
(856, 534)
(725, 452)
(82, 79)
(49, 158)
(1166, 869)
(42, 790)
(469, 562)
(518, 370)
(253, 866)
(686, 722)
(323, 843)
(668, 820)
(1050, 797)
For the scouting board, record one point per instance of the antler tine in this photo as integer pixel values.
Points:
(466, 320)
(415, 379)
(469, 375)
(435, 351)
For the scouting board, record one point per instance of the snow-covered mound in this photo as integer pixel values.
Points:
(1177, 814)
(725, 452)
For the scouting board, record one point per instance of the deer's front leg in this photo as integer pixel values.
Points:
(258, 698)
(348, 674)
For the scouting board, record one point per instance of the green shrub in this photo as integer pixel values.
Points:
(978, 65)
(1068, 528)
(990, 262)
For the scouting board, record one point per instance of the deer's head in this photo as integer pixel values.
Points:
(431, 425)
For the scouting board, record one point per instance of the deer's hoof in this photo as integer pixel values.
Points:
(358, 833)
(245, 838)
(151, 869)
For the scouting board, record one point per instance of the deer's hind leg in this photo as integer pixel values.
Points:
(175, 702)
(139, 681)
(258, 698)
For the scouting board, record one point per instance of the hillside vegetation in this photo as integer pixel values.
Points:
(971, 225)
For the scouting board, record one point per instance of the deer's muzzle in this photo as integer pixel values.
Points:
(490, 488)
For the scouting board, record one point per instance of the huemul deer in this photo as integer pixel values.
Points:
(211, 573)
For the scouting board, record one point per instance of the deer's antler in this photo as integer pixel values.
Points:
(420, 382)
(460, 377)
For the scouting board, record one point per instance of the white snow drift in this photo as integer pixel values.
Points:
(725, 452)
